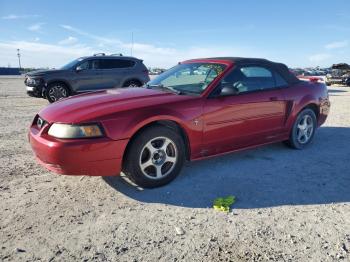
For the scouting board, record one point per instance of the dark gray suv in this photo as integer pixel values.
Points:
(87, 74)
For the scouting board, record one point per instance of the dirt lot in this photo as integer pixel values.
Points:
(291, 205)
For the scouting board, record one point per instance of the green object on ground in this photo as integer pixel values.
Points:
(224, 203)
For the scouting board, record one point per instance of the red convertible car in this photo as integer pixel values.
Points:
(197, 109)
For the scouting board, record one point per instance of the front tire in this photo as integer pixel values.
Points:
(155, 157)
(132, 83)
(56, 91)
(303, 129)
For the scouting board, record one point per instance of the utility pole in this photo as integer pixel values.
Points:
(19, 59)
(132, 42)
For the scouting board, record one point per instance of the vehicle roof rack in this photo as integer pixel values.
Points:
(100, 54)
(119, 54)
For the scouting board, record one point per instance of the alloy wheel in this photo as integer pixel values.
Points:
(305, 129)
(158, 158)
(57, 92)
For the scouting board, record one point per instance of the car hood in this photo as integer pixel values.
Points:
(92, 106)
(44, 72)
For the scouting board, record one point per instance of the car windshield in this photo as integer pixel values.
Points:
(336, 72)
(188, 78)
(71, 64)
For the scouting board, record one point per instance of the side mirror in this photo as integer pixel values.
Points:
(228, 90)
(78, 69)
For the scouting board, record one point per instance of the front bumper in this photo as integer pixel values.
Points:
(91, 157)
(34, 90)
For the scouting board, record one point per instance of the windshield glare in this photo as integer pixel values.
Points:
(71, 64)
(191, 78)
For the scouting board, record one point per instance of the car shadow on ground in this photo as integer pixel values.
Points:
(269, 176)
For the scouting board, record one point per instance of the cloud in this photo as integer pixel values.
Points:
(101, 39)
(338, 44)
(34, 54)
(68, 41)
(155, 55)
(39, 54)
(36, 27)
(319, 57)
(115, 45)
(12, 16)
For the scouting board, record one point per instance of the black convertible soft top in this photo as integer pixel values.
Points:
(282, 69)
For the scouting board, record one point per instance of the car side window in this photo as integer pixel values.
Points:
(255, 78)
(256, 71)
(84, 65)
(123, 63)
(106, 64)
(280, 81)
(250, 78)
(95, 64)
(116, 63)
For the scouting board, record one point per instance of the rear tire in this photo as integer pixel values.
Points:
(56, 91)
(132, 83)
(303, 129)
(154, 157)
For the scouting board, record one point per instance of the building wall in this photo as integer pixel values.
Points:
(9, 71)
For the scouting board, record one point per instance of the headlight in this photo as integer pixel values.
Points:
(75, 131)
(33, 81)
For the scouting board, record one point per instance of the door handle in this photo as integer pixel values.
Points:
(273, 98)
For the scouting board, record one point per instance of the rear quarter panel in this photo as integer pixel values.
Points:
(304, 94)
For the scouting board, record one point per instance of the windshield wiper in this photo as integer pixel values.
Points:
(150, 86)
(178, 92)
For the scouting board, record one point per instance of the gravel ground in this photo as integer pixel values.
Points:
(291, 205)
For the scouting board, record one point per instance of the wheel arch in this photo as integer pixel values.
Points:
(132, 79)
(314, 107)
(297, 107)
(172, 124)
(66, 83)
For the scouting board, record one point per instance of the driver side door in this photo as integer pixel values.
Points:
(253, 116)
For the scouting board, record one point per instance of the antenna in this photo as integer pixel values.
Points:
(132, 43)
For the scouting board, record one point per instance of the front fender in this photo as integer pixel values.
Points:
(126, 125)
(53, 80)
(188, 117)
